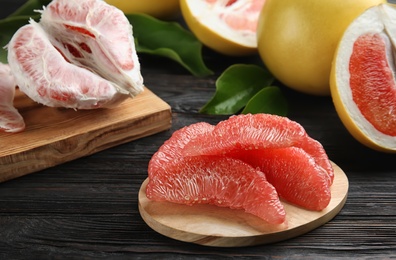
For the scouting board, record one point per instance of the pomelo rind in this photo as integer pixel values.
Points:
(219, 38)
(372, 21)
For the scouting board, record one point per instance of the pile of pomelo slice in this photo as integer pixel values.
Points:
(245, 162)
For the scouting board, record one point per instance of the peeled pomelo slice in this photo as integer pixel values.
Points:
(258, 131)
(227, 26)
(10, 119)
(97, 36)
(43, 74)
(171, 149)
(251, 131)
(220, 181)
(294, 174)
(362, 79)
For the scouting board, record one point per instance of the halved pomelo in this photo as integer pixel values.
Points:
(226, 26)
(216, 180)
(363, 81)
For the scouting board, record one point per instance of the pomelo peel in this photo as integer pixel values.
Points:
(163, 9)
(376, 21)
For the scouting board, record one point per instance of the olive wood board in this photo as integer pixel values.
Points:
(57, 135)
(211, 225)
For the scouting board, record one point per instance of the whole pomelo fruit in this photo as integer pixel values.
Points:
(158, 8)
(297, 39)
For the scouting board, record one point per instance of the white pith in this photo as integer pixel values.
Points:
(209, 16)
(375, 20)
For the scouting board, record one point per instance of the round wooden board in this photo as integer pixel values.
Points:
(223, 227)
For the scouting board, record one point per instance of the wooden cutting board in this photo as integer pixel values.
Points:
(57, 135)
(210, 225)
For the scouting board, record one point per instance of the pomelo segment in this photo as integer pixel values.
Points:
(258, 131)
(226, 26)
(247, 132)
(97, 36)
(172, 148)
(220, 181)
(294, 174)
(10, 119)
(80, 55)
(43, 74)
(362, 80)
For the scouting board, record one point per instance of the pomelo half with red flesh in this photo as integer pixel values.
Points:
(363, 78)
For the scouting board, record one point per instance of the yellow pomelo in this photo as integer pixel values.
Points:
(157, 8)
(362, 81)
(297, 39)
(228, 27)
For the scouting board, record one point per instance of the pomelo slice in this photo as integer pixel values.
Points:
(258, 131)
(10, 119)
(362, 79)
(220, 181)
(226, 26)
(251, 131)
(172, 148)
(294, 174)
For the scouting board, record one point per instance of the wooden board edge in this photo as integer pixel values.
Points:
(84, 144)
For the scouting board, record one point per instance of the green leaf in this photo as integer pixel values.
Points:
(235, 87)
(269, 100)
(170, 40)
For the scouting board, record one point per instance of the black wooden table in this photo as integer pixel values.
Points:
(88, 208)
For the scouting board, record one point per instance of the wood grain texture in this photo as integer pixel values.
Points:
(57, 135)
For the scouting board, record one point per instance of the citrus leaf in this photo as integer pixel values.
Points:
(235, 87)
(170, 40)
(269, 100)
